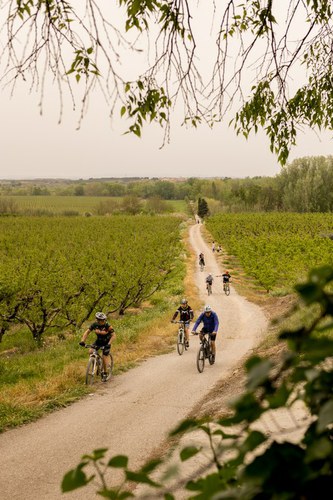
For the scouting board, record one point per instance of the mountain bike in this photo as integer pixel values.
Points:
(226, 288)
(202, 265)
(209, 288)
(205, 352)
(95, 365)
(181, 338)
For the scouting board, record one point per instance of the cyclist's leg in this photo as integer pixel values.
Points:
(106, 357)
(212, 341)
(187, 332)
(202, 331)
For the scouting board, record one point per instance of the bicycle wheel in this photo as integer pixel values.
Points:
(227, 289)
(209, 289)
(185, 343)
(109, 367)
(91, 371)
(210, 355)
(180, 342)
(201, 359)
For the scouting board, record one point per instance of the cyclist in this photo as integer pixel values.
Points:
(209, 280)
(201, 259)
(210, 322)
(186, 314)
(226, 277)
(105, 335)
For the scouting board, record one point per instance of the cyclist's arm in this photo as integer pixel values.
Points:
(175, 315)
(216, 323)
(85, 335)
(113, 335)
(197, 323)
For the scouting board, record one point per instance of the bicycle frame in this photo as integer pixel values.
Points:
(205, 352)
(95, 365)
(181, 337)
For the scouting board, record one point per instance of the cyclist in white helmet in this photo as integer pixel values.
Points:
(210, 323)
(105, 335)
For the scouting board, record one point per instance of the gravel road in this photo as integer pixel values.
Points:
(134, 412)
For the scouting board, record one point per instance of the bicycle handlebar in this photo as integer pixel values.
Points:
(96, 347)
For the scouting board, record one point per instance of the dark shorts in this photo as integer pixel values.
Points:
(106, 345)
(211, 335)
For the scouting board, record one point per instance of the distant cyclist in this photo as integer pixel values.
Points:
(185, 314)
(209, 282)
(105, 335)
(210, 323)
(226, 276)
(201, 260)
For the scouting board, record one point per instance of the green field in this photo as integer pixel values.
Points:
(60, 205)
(277, 249)
(55, 272)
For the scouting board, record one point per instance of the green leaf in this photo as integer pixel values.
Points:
(137, 477)
(253, 440)
(279, 398)
(119, 461)
(325, 416)
(96, 454)
(259, 374)
(150, 466)
(185, 426)
(319, 449)
(123, 111)
(188, 452)
(74, 479)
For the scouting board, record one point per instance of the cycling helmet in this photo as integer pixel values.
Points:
(208, 309)
(100, 315)
(183, 301)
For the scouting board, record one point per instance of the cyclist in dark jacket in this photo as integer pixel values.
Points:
(185, 314)
(210, 322)
(105, 335)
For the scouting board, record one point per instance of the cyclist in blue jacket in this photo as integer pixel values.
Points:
(210, 323)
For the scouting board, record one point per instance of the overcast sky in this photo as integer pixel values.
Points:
(34, 146)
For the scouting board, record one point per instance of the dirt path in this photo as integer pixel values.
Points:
(135, 412)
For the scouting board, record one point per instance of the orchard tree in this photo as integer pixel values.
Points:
(271, 59)
(203, 209)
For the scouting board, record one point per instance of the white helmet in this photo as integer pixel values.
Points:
(100, 315)
(207, 308)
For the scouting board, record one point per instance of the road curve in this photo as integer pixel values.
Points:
(136, 410)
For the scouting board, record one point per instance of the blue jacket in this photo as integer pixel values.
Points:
(210, 323)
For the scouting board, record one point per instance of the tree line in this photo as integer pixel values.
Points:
(305, 185)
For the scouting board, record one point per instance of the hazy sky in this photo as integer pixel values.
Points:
(36, 146)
